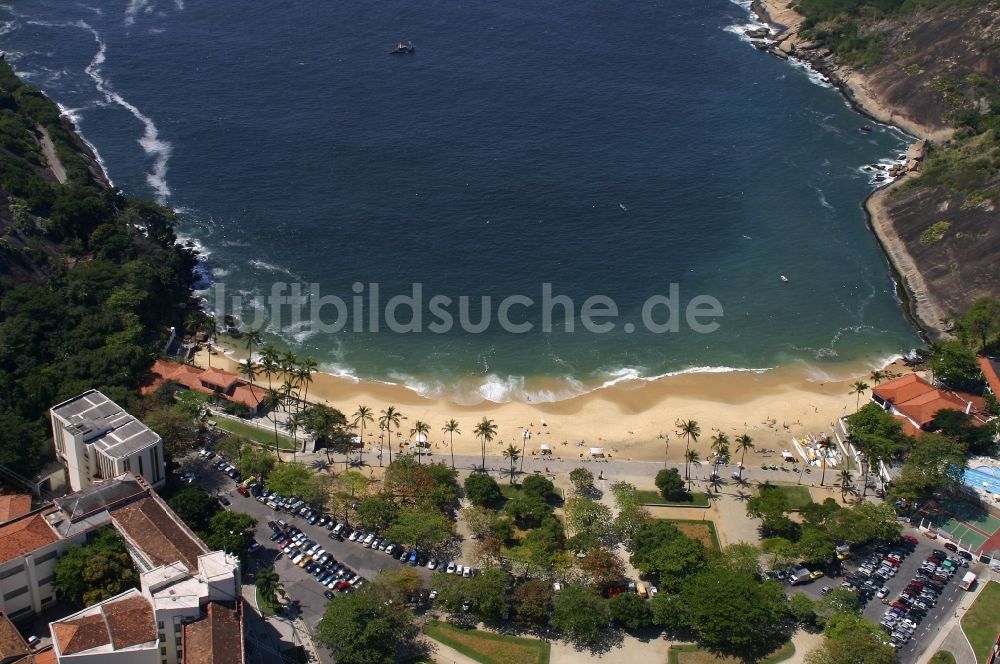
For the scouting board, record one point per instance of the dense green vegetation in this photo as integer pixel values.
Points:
(844, 25)
(95, 571)
(90, 280)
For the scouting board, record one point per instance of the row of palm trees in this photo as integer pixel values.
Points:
(690, 430)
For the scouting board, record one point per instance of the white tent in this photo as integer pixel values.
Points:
(596, 451)
(355, 440)
(545, 449)
(421, 438)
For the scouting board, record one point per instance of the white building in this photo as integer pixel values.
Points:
(121, 629)
(189, 606)
(29, 549)
(96, 439)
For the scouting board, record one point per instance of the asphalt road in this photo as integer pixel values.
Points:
(944, 609)
(301, 586)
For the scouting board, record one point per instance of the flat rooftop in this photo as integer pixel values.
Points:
(105, 424)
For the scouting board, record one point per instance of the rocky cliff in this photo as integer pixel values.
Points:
(934, 71)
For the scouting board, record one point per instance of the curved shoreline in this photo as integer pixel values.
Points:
(918, 305)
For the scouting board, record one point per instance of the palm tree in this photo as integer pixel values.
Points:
(269, 363)
(293, 423)
(390, 418)
(362, 416)
(858, 387)
(451, 428)
(743, 443)
(846, 480)
(251, 370)
(272, 401)
(485, 431)
(304, 374)
(268, 585)
(720, 445)
(878, 376)
(824, 445)
(419, 429)
(513, 454)
(691, 457)
(289, 390)
(690, 430)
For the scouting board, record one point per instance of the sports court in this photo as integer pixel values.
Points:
(973, 526)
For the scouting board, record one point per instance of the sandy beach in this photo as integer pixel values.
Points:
(630, 421)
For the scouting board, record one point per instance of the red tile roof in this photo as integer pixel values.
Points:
(157, 532)
(219, 378)
(25, 534)
(14, 505)
(130, 622)
(232, 387)
(991, 370)
(79, 634)
(120, 623)
(13, 647)
(918, 400)
(215, 639)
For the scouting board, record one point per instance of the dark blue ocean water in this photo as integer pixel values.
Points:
(602, 148)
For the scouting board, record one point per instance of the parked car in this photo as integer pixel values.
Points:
(450, 569)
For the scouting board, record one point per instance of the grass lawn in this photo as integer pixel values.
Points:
(699, 530)
(695, 655)
(647, 497)
(942, 657)
(256, 434)
(798, 496)
(266, 608)
(487, 647)
(982, 621)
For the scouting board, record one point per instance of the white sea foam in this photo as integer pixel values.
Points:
(150, 141)
(133, 9)
(269, 267)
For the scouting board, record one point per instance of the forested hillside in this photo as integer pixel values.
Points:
(90, 280)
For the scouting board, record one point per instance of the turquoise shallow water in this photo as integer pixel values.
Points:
(599, 149)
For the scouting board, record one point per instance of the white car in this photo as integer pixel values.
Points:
(459, 569)
(556, 586)
(298, 558)
(882, 592)
(450, 569)
(467, 572)
(368, 540)
(355, 535)
(432, 564)
(390, 549)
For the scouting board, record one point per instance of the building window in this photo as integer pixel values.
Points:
(15, 593)
(140, 466)
(47, 557)
(155, 460)
(160, 625)
(48, 599)
(20, 612)
(177, 628)
(178, 640)
(163, 650)
(6, 574)
(47, 580)
(128, 466)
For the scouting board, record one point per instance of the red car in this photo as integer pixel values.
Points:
(340, 585)
(243, 491)
(910, 538)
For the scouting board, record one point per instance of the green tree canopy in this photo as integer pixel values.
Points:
(231, 532)
(630, 611)
(539, 486)
(195, 507)
(579, 613)
(94, 572)
(671, 484)
(735, 614)
(533, 602)
(427, 531)
(953, 363)
(851, 639)
(582, 481)
(482, 490)
(255, 461)
(376, 513)
(296, 479)
(361, 628)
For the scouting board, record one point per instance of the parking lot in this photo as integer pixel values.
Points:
(928, 626)
(302, 588)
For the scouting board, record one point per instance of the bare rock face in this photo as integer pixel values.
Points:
(787, 47)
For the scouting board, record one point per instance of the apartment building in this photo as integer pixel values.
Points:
(97, 439)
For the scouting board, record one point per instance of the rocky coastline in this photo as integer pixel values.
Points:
(781, 39)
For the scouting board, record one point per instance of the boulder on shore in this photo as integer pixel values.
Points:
(757, 33)
(787, 47)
